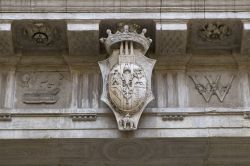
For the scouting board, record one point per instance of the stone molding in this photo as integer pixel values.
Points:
(123, 6)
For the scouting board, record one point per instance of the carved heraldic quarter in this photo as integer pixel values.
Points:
(127, 76)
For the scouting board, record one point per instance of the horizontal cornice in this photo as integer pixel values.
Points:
(143, 16)
(123, 6)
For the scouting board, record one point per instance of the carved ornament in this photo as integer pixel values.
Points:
(173, 117)
(214, 31)
(84, 117)
(40, 33)
(213, 87)
(5, 117)
(45, 92)
(127, 76)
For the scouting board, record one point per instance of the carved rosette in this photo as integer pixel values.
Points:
(127, 76)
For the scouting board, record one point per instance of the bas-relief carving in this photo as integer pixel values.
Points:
(5, 117)
(127, 76)
(173, 117)
(127, 86)
(84, 117)
(46, 91)
(42, 35)
(211, 36)
(214, 88)
(42, 89)
(214, 31)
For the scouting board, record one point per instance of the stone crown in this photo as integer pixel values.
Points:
(126, 35)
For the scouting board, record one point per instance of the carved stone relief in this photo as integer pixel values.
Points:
(39, 35)
(173, 117)
(5, 117)
(214, 87)
(214, 31)
(84, 117)
(41, 89)
(127, 76)
(214, 36)
(135, 26)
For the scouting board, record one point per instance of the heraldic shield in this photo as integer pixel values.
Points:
(127, 76)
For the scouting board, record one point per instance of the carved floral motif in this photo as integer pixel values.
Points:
(214, 31)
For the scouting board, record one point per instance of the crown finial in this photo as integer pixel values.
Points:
(127, 33)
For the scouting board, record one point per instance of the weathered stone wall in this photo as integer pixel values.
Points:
(200, 84)
(51, 83)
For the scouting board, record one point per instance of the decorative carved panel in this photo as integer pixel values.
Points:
(210, 36)
(43, 89)
(214, 31)
(214, 89)
(137, 25)
(39, 35)
(127, 75)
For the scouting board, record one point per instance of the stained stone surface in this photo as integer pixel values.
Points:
(135, 152)
(51, 112)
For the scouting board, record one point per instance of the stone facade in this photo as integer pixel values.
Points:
(57, 107)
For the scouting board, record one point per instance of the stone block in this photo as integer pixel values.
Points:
(171, 39)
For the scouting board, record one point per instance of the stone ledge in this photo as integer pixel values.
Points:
(164, 16)
(114, 133)
(120, 6)
(185, 110)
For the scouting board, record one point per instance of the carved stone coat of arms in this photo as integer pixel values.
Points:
(127, 76)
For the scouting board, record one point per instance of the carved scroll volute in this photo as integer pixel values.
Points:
(127, 76)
